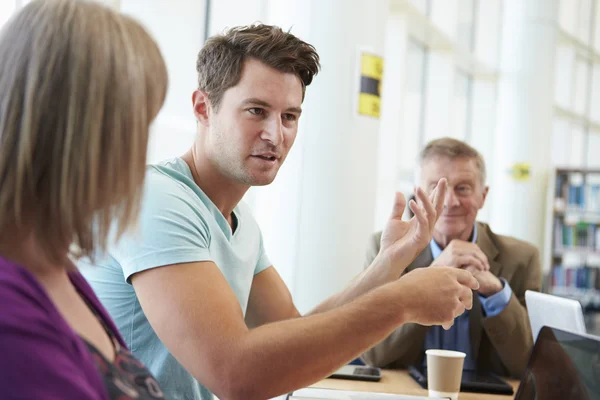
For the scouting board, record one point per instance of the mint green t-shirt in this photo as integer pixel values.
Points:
(178, 224)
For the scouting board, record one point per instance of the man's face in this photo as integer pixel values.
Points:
(465, 196)
(255, 126)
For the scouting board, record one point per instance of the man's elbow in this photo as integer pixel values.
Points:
(233, 389)
(227, 386)
(231, 381)
(230, 390)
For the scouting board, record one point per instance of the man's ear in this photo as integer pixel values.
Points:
(485, 193)
(201, 106)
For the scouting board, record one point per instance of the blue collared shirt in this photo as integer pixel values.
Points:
(458, 336)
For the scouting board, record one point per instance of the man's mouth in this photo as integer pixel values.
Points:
(266, 158)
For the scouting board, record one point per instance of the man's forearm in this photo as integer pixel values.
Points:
(377, 274)
(403, 347)
(279, 357)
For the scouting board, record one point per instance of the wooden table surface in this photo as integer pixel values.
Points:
(399, 382)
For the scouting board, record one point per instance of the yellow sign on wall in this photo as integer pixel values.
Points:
(371, 73)
(520, 171)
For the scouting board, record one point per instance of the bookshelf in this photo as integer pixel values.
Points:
(572, 262)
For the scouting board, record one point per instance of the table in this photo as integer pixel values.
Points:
(399, 382)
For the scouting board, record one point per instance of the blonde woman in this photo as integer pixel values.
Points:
(79, 87)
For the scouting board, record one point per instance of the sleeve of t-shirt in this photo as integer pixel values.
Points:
(263, 260)
(170, 230)
(37, 362)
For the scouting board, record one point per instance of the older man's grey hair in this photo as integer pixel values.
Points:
(452, 149)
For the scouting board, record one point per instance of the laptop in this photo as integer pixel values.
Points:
(557, 312)
(563, 366)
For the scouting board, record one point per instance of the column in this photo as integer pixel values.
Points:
(525, 112)
(338, 182)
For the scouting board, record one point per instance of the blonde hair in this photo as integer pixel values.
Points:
(79, 86)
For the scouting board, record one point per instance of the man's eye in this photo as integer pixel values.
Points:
(289, 117)
(256, 111)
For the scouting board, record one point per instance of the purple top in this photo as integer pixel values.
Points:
(41, 357)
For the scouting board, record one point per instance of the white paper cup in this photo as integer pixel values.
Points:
(444, 372)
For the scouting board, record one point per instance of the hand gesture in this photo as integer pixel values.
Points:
(402, 241)
(489, 284)
(461, 254)
(436, 295)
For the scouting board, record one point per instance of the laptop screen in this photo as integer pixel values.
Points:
(562, 366)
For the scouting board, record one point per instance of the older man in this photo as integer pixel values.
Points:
(495, 334)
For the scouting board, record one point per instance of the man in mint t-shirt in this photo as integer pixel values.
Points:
(194, 294)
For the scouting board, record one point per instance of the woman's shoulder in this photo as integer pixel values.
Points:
(41, 355)
(22, 297)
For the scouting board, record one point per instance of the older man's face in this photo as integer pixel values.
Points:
(465, 196)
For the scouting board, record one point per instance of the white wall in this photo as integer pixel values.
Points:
(229, 13)
(178, 27)
(395, 100)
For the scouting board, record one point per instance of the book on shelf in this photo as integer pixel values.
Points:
(577, 191)
(582, 284)
(575, 237)
(579, 236)
(576, 278)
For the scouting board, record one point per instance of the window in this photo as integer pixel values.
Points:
(560, 141)
(577, 85)
(414, 99)
(596, 27)
(584, 24)
(7, 7)
(581, 85)
(564, 75)
(595, 96)
(577, 141)
(422, 5)
(568, 15)
(462, 106)
(465, 26)
(463, 81)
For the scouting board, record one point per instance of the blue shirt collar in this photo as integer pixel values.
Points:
(436, 250)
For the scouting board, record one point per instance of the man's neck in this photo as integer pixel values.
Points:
(444, 240)
(224, 195)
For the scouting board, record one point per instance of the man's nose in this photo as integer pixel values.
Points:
(451, 199)
(273, 131)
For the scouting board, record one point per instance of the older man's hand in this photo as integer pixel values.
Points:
(489, 284)
(462, 254)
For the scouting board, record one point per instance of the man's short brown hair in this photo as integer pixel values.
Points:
(221, 59)
(453, 149)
